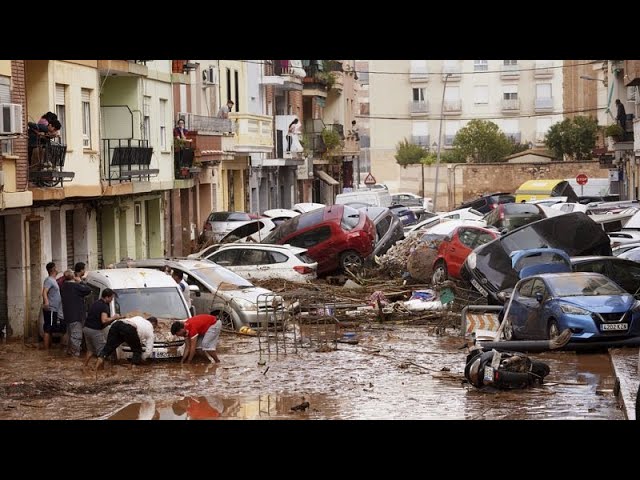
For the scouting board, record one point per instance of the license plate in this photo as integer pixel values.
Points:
(614, 326)
(479, 288)
(488, 374)
(160, 355)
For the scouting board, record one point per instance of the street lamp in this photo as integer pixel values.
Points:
(587, 77)
(435, 188)
(604, 82)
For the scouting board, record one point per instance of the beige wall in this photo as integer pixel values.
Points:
(5, 68)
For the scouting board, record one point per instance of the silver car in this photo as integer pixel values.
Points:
(220, 292)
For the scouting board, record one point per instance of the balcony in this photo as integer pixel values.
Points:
(46, 165)
(254, 133)
(125, 160)
(127, 68)
(543, 70)
(510, 72)
(312, 140)
(288, 75)
(183, 162)
(419, 74)
(317, 80)
(417, 107)
(510, 105)
(452, 107)
(544, 104)
(453, 71)
(631, 73)
(421, 140)
(636, 135)
(338, 82)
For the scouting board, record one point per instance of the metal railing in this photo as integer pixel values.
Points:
(419, 73)
(46, 161)
(419, 106)
(544, 103)
(124, 159)
(510, 104)
(422, 140)
(452, 106)
(201, 123)
(510, 70)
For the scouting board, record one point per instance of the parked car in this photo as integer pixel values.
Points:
(509, 216)
(489, 267)
(388, 228)
(413, 201)
(280, 215)
(455, 248)
(620, 249)
(262, 261)
(486, 203)
(220, 292)
(307, 207)
(377, 198)
(253, 231)
(624, 271)
(406, 216)
(460, 214)
(218, 224)
(337, 236)
(569, 207)
(139, 290)
(590, 304)
(622, 237)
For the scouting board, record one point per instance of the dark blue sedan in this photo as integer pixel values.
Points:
(590, 304)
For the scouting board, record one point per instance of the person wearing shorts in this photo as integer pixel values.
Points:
(98, 318)
(201, 331)
(51, 305)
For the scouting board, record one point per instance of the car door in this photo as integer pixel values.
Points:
(459, 249)
(536, 323)
(253, 263)
(521, 308)
(203, 301)
(319, 245)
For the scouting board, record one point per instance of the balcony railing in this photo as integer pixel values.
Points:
(421, 140)
(253, 132)
(510, 104)
(448, 140)
(183, 162)
(200, 123)
(365, 141)
(46, 161)
(544, 104)
(514, 137)
(419, 73)
(126, 159)
(452, 106)
(543, 70)
(417, 106)
(510, 71)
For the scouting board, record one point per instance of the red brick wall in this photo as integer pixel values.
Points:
(19, 95)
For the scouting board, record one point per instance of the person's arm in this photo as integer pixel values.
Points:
(106, 320)
(192, 347)
(187, 349)
(148, 343)
(45, 298)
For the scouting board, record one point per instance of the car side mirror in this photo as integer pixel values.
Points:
(539, 297)
(195, 289)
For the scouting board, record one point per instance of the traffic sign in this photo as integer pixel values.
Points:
(582, 179)
(370, 180)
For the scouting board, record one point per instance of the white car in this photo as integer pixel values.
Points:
(568, 207)
(307, 207)
(265, 261)
(253, 231)
(461, 214)
(624, 237)
(280, 215)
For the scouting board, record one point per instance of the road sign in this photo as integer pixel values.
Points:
(582, 179)
(370, 180)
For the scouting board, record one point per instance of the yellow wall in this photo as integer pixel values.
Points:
(5, 68)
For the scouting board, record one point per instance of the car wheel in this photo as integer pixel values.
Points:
(507, 331)
(552, 329)
(225, 318)
(351, 260)
(440, 273)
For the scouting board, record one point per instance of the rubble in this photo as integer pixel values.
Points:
(410, 256)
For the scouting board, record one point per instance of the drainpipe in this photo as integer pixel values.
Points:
(27, 279)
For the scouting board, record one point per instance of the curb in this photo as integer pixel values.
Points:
(625, 363)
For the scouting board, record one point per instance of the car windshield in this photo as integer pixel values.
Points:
(583, 285)
(218, 276)
(350, 218)
(161, 302)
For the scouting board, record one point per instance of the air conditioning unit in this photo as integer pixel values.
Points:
(210, 76)
(633, 95)
(10, 118)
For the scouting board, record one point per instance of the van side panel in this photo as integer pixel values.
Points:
(539, 189)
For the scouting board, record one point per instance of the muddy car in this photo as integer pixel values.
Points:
(489, 269)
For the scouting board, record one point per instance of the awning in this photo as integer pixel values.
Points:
(325, 177)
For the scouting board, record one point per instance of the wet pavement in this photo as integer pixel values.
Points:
(394, 372)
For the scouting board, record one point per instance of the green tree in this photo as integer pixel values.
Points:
(409, 153)
(482, 141)
(574, 138)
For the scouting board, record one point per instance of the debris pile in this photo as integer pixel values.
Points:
(394, 262)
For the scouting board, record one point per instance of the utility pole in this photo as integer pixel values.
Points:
(435, 187)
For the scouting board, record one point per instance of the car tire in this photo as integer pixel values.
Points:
(226, 319)
(552, 329)
(351, 260)
(440, 272)
(507, 331)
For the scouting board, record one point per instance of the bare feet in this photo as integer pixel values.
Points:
(99, 363)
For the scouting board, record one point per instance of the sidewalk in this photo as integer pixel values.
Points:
(625, 362)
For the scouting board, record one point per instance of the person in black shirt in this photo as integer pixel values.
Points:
(621, 115)
(98, 318)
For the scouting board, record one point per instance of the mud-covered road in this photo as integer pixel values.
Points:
(394, 372)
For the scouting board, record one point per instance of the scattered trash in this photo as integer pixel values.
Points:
(301, 407)
(247, 331)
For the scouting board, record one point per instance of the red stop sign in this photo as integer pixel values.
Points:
(582, 179)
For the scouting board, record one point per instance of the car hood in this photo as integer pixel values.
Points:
(252, 294)
(601, 303)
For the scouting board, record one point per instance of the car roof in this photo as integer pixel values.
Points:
(262, 246)
(189, 264)
(589, 258)
(566, 274)
(130, 278)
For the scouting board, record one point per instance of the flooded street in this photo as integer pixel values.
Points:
(394, 372)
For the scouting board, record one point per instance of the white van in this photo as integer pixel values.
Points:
(378, 197)
(147, 292)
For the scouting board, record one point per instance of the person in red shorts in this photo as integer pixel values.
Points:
(201, 331)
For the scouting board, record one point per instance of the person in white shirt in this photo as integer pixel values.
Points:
(136, 332)
(179, 279)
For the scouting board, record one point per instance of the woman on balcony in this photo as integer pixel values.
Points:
(293, 141)
(180, 132)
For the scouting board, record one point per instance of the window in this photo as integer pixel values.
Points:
(146, 120)
(277, 257)
(237, 82)
(418, 94)
(510, 92)
(86, 118)
(311, 238)
(510, 125)
(467, 236)
(543, 90)
(254, 257)
(60, 111)
(526, 287)
(481, 94)
(452, 93)
(5, 97)
(510, 62)
(418, 65)
(451, 128)
(538, 288)
(480, 65)
(482, 238)
(382, 227)
(225, 258)
(163, 124)
(420, 129)
(542, 125)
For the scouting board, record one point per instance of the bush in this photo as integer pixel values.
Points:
(614, 130)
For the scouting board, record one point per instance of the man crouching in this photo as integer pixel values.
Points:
(201, 331)
(135, 331)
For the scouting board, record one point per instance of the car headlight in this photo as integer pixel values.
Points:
(471, 261)
(566, 308)
(245, 304)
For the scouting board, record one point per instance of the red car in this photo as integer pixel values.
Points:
(336, 236)
(455, 248)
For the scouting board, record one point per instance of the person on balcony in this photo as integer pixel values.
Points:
(40, 135)
(293, 140)
(225, 109)
(180, 133)
(621, 115)
(47, 118)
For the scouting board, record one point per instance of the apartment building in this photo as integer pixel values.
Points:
(409, 98)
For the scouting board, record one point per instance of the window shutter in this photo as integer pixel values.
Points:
(5, 94)
(59, 94)
(146, 106)
(86, 94)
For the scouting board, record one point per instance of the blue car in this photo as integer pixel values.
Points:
(590, 304)
(406, 215)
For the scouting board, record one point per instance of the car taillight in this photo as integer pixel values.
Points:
(302, 269)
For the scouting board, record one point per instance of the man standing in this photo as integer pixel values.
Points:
(621, 115)
(98, 318)
(73, 292)
(225, 109)
(51, 305)
(135, 332)
(201, 331)
(178, 278)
